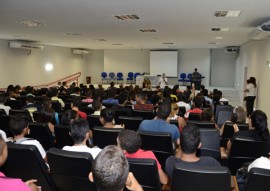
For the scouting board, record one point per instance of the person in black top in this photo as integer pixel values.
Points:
(196, 79)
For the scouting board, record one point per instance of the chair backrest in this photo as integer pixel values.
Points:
(203, 124)
(70, 170)
(62, 136)
(194, 116)
(4, 124)
(119, 75)
(144, 114)
(131, 123)
(87, 110)
(146, 173)
(93, 121)
(14, 104)
(42, 133)
(20, 111)
(104, 74)
(189, 76)
(130, 75)
(111, 74)
(56, 105)
(136, 74)
(258, 179)
(220, 108)
(182, 111)
(36, 115)
(245, 150)
(201, 178)
(2, 112)
(160, 143)
(210, 143)
(183, 75)
(25, 162)
(105, 136)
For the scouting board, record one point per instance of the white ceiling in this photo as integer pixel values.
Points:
(186, 24)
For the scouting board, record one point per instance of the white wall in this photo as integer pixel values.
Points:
(255, 55)
(195, 58)
(20, 67)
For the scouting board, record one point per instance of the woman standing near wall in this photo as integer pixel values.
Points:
(251, 91)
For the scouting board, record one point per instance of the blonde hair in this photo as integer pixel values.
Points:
(174, 109)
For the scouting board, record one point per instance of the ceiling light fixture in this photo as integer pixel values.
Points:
(217, 29)
(148, 30)
(235, 13)
(216, 37)
(31, 23)
(127, 17)
(73, 34)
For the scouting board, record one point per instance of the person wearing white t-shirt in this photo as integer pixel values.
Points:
(19, 128)
(261, 162)
(251, 92)
(80, 134)
(163, 81)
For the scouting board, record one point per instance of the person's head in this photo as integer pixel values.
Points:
(76, 101)
(123, 97)
(163, 75)
(77, 90)
(2, 98)
(195, 69)
(190, 139)
(30, 98)
(88, 93)
(129, 141)
(18, 124)
(174, 109)
(106, 115)
(164, 110)
(141, 96)
(69, 116)
(252, 80)
(96, 105)
(181, 97)
(110, 169)
(205, 92)
(46, 102)
(259, 123)
(239, 115)
(207, 115)
(54, 91)
(47, 115)
(198, 102)
(79, 130)
(3, 151)
(155, 99)
(112, 84)
(110, 94)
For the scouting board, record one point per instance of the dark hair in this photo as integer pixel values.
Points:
(123, 96)
(96, 105)
(18, 123)
(190, 138)
(46, 116)
(259, 122)
(155, 99)
(46, 102)
(164, 110)
(107, 114)
(2, 98)
(54, 91)
(207, 115)
(76, 101)
(68, 117)
(110, 169)
(252, 80)
(78, 129)
(129, 140)
(30, 98)
(198, 101)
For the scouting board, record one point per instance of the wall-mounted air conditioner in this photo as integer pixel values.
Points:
(232, 49)
(24, 45)
(261, 32)
(80, 51)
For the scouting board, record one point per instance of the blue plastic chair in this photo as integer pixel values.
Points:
(135, 76)
(119, 76)
(130, 77)
(112, 76)
(182, 78)
(188, 79)
(104, 77)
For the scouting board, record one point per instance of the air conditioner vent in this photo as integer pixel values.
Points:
(24, 45)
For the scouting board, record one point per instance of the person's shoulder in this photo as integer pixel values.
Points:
(209, 161)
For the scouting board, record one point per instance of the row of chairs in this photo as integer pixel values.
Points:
(185, 78)
(131, 77)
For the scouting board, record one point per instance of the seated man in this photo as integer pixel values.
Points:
(19, 128)
(110, 98)
(141, 102)
(189, 142)
(198, 102)
(160, 124)
(122, 99)
(54, 93)
(9, 184)
(130, 142)
(76, 102)
(110, 171)
(80, 134)
(2, 104)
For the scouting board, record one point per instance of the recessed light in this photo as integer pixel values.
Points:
(235, 13)
(100, 39)
(217, 29)
(31, 23)
(213, 43)
(73, 34)
(167, 43)
(127, 17)
(216, 37)
(148, 30)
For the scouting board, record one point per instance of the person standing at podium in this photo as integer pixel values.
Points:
(163, 81)
(196, 79)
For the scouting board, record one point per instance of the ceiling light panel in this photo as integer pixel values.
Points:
(217, 29)
(228, 13)
(148, 30)
(31, 23)
(216, 37)
(127, 17)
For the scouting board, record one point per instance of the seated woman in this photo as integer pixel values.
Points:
(207, 115)
(69, 116)
(48, 116)
(106, 119)
(47, 105)
(258, 129)
(174, 116)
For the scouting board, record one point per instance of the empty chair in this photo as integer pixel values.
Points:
(144, 114)
(119, 77)
(14, 104)
(42, 133)
(189, 78)
(201, 178)
(105, 136)
(146, 173)
(104, 77)
(112, 76)
(258, 179)
(70, 170)
(202, 124)
(130, 77)
(160, 143)
(210, 143)
(25, 162)
(131, 123)
(93, 121)
(245, 150)
(62, 136)
(4, 124)
(182, 78)
(135, 76)
(222, 114)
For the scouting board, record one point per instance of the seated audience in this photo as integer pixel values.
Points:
(47, 105)
(110, 98)
(47, 116)
(258, 129)
(141, 102)
(122, 99)
(19, 128)
(207, 115)
(88, 95)
(261, 162)
(76, 102)
(80, 134)
(97, 107)
(12, 184)
(189, 143)
(198, 102)
(31, 105)
(110, 171)
(106, 119)
(69, 116)
(160, 124)
(2, 104)
(183, 101)
(174, 116)
(54, 93)
(130, 142)
(76, 91)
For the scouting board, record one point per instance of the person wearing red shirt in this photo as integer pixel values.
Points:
(76, 102)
